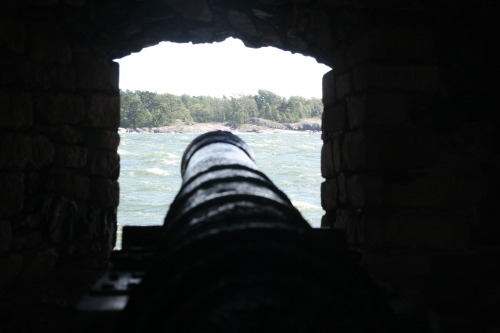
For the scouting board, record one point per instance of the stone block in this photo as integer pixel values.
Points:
(337, 155)
(400, 78)
(48, 45)
(328, 220)
(11, 267)
(12, 193)
(72, 184)
(342, 184)
(13, 35)
(42, 151)
(334, 118)
(103, 140)
(391, 263)
(61, 77)
(5, 235)
(442, 191)
(27, 240)
(66, 219)
(466, 281)
(343, 86)
(197, 10)
(104, 192)
(329, 194)
(268, 31)
(15, 150)
(389, 148)
(19, 150)
(366, 190)
(94, 73)
(327, 168)
(9, 69)
(39, 264)
(378, 110)
(328, 88)
(66, 134)
(345, 220)
(353, 151)
(242, 22)
(59, 108)
(16, 110)
(406, 273)
(401, 43)
(69, 156)
(104, 164)
(104, 111)
(445, 232)
(76, 3)
(30, 221)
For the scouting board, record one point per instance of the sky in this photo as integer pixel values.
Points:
(221, 69)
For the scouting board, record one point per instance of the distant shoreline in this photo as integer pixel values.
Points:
(254, 125)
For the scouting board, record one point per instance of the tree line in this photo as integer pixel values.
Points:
(150, 109)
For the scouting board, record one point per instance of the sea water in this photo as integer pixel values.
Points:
(150, 172)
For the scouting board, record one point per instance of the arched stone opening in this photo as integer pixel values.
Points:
(409, 158)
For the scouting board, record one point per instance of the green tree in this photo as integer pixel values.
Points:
(145, 108)
(130, 108)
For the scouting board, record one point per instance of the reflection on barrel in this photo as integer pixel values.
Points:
(236, 256)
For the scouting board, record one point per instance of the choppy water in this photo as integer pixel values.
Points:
(150, 172)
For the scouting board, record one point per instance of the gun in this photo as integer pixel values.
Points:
(233, 255)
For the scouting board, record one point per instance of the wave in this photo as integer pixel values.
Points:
(158, 171)
(300, 205)
(124, 152)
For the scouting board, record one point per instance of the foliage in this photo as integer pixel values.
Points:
(149, 109)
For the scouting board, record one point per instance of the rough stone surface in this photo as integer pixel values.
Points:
(74, 185)
(444, 191)
(105, 192)
(10, 267)
(39, 265)
(327, 160)
(334, 118)
(105, 164)
(328, 88)
(438, 232)
(22, 150)
(16, 110)
(389, 148)
(104, 111)
(12, 194)
(409, 42)
(96, 74)
(329, 194)
(70, 156)
(67, 134)
(5, 235)
(105, 140)
(422, 78)
(55, 109)
(27, 240)
(378, 110)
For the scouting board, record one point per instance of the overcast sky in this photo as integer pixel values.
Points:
(228, 68)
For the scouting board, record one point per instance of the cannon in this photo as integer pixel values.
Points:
(234, 255)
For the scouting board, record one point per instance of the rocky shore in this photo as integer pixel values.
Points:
(254, 125)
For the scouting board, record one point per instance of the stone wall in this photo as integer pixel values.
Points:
(408, 160)
(59, 115)
(410, 132)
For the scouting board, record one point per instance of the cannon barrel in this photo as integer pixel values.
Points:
(236, 256)
(223, 190)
